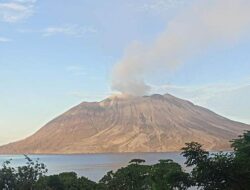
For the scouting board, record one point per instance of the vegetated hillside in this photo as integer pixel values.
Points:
(156, 123)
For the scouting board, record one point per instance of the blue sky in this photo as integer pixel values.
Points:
(56, 54)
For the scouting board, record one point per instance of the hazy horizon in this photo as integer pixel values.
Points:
(56, 55)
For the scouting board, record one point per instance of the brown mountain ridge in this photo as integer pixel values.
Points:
(156, 123)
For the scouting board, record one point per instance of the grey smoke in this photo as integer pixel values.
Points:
(206, 24)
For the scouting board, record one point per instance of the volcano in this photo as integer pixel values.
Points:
(156, 123)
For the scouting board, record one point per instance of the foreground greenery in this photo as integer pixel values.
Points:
(220, 171)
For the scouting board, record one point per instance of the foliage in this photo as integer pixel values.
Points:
(7, 176)
(134, 176)
(241, 148)
(65, 181)
(137, 161)
(220, 171)
(194, 154)
(22, 177)
(167, 175)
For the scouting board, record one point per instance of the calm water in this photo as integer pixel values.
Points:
(93, 166)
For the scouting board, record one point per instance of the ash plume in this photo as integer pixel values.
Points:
(206, 25)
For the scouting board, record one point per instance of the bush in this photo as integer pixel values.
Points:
(22, 177)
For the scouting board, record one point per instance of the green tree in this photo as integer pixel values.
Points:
(7, 176)
(165, 175)
(132, 177)
(65, 181)
(52, 182)
(137, 161)
(28, 175)
(168, 175)
(22, 177)
(69, 180)
(218, 171)
(241, 147)
(86, 184)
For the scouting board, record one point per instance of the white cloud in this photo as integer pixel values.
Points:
(16, 10)
(161, 5)
(69, 30)
(26, 1)
(3, 39)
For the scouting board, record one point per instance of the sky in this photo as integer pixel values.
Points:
(56, 54)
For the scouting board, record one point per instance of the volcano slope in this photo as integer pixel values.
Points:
(156, 123)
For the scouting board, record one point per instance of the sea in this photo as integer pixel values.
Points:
(92, 166)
